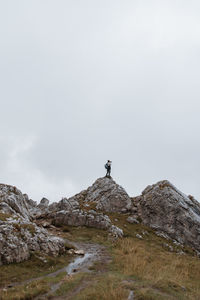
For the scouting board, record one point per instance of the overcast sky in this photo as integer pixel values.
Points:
(86, 81)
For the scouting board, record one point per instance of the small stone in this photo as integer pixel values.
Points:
(181, 253)
(139, 236)
(132, 220)
(46, 224)
(145, 233)
(79, 252)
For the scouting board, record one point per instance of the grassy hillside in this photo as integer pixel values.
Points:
(151, 266)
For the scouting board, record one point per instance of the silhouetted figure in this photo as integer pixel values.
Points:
(108, 168)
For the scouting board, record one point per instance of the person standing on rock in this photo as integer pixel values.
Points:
(108, 168)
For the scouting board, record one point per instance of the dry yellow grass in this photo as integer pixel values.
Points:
(161, 269)
(105, 287)
(28, 291)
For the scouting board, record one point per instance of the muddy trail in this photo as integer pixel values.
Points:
(93, 253)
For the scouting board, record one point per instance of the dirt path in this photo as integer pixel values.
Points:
(93, 253)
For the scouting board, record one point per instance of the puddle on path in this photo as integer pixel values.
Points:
(78, 263)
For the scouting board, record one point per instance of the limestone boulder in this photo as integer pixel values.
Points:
(163, 207)
(91, 218)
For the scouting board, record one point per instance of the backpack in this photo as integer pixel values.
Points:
(106, 166)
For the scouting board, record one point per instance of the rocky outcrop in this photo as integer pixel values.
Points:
(43, 209)
(82, 218)
(37, 210)
(108, 196)
(18, 235)
(91, 218)
(163, 207)
(104, 195)
(44, 203)
(18, 239)
(68, 204)
(12, 201)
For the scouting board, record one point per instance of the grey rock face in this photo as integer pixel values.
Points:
(13, 201)
(44, 203)
(105, 194)
(79, 217)
(109, 196)
(45, 209)
(18, 235)
(163, 207)
(41, 208)
(30, 202)
(18, 239)
(68, 204)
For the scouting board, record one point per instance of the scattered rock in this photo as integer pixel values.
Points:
(145, 233)
(181, 252)
(139, 236)
(169, 247)
(162, 234)
(132, 220)
(116, 231)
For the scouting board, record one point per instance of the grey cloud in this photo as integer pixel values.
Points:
(86, 81)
